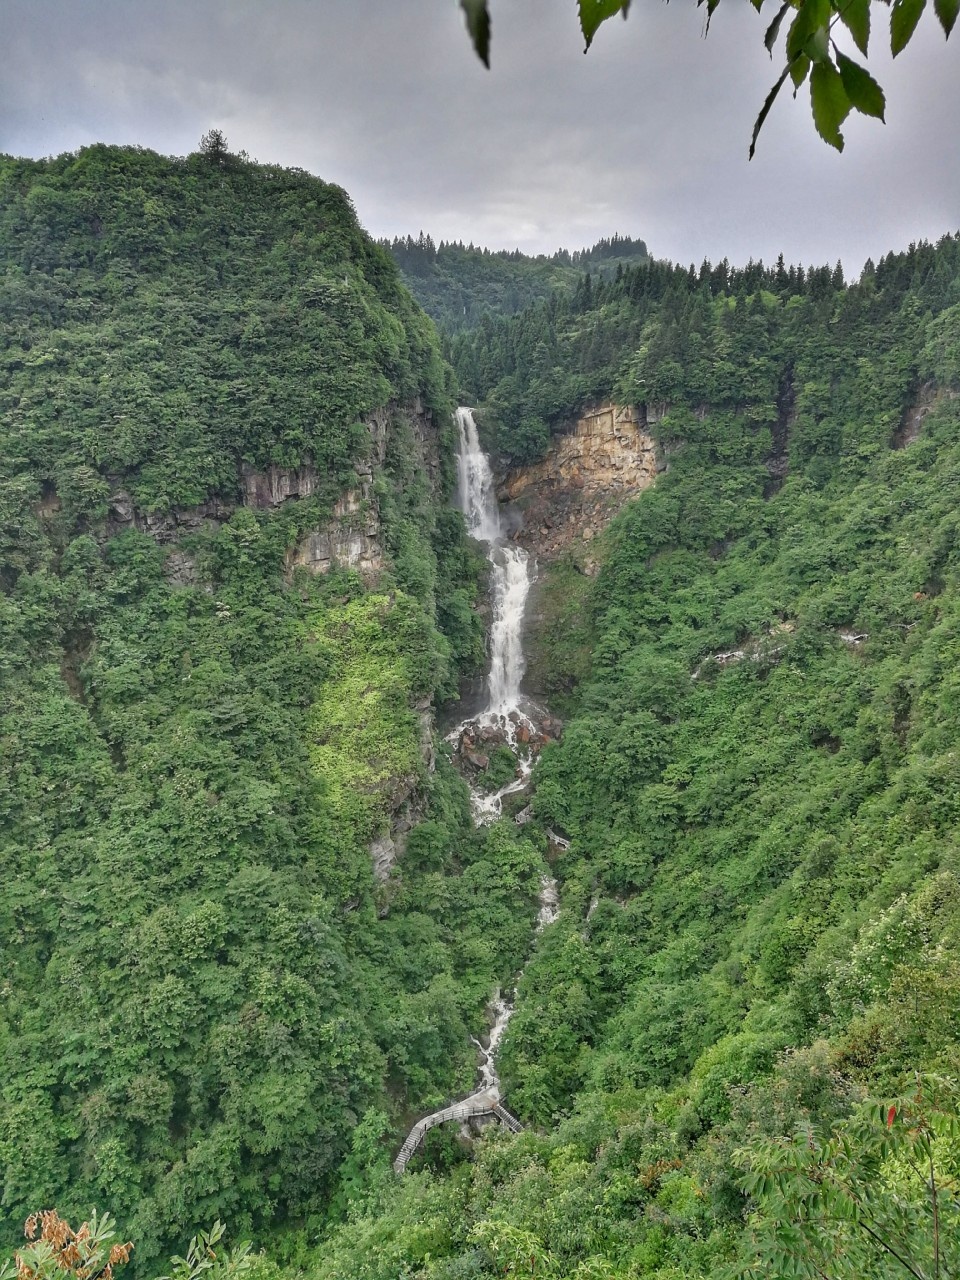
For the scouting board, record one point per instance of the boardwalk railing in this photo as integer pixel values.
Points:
(485, 1103)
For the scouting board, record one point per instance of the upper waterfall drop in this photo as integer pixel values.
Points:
(475, 487)
(510, 569)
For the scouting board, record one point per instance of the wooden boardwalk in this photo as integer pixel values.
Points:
(485, 1103)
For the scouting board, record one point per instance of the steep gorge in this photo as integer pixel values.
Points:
(515, 724)
(757, 953)
(216, 1002)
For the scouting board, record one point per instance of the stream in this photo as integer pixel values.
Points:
(506, 710)
(507, 718)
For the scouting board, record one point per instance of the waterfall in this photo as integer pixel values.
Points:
(510, 584)
(509, 565)
(475, 488)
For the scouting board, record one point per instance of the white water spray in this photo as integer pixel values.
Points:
(510, 575)
(510, 585)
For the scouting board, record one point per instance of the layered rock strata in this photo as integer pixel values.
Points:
(587, 475)
(351, 538)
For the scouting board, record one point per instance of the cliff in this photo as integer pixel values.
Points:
(351, 538)
(586, 477)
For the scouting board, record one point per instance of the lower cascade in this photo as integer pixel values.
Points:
(508, 719)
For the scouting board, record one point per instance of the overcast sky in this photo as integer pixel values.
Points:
(647, 135)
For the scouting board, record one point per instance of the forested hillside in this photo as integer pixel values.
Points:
(760, 922)
(209, 1001)
(457, 284)
(233, 590)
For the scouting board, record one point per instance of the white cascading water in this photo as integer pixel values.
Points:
(510, 584)
(510, 574)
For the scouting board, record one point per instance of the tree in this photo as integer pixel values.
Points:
(213, 145)
(57, 1252)
(838, 84)
(89, 1253)
(875, 1201)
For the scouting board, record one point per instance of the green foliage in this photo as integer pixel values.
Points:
(94, 1249)
(457, 284)
(206, 1256)
(837, 84)
(212, 1009)
(761, 899)
(878, 1199)
(502, 768)
(168, 320)
(205, 989)
(762, 348)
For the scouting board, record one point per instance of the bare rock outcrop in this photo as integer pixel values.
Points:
(351, 537)
(277, 485)
(586, 477)
(165, 527)
(910, 428)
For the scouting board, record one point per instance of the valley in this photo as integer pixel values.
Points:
(554, 801)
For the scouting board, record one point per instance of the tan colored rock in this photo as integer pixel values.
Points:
(587, 475)
(352, 538)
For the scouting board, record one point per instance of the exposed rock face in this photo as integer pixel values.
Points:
(165, 526)
(277, 484)
(911, 424)
(476, 740)
(584, 480)
(351, 538)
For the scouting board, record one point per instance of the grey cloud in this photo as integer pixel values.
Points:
(647, 135)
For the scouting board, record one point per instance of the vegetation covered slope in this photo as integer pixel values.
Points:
(457, 284)
(760, 919)
(212, 1009)
(206, 996)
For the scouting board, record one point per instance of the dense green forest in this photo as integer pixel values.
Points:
(208, 1000)
(737, 1049)
(458, 284)
(759, 775)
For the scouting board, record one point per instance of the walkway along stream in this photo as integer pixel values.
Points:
(509, 716)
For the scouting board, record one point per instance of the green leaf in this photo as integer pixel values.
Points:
(765, 109)
(946, 11)
(830, 103)
(770, 39)
(862, 90)
(903, 22)
(595, 12)
(798, 70)
(478, 25)
(855, 16)
(811, 17)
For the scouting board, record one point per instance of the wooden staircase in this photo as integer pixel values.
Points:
(485, 1103)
